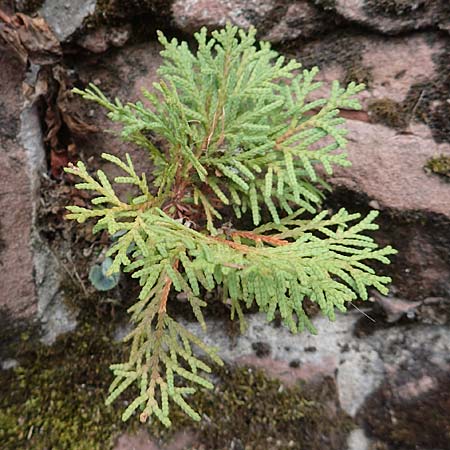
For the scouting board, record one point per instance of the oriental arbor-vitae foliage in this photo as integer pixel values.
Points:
(241, 132)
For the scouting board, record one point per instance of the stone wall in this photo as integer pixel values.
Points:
(391, 369)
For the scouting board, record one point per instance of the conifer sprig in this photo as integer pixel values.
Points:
(241, 130)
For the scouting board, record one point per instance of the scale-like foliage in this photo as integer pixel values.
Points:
(244, 129)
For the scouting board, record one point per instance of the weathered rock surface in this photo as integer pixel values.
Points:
(300, 20)
(400, 365)
(357, 440)
(388, 167)
(276, 20)
(102, 38)
(30, 276)
(65, 17)
(18, 293)
(141, 441)
(392, 16)
(279, 21)
(193, 14)
(392, 376)
(137, 66)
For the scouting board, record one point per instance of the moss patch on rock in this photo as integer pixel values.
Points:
(250, 411)
(389, 112)
(55, 398)
(439, 165)
(358, 73)
(400, 114)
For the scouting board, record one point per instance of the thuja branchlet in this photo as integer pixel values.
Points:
(241, 133)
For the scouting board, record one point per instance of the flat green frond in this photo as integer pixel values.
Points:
(232, 130)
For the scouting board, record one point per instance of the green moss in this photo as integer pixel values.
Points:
(358, 74)
(248, 410)
(389, 112)
(439, 165)
(56, 395)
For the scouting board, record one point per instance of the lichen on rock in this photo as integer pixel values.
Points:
(439, 165)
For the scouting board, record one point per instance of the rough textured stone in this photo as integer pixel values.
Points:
(55, 316)
(393, 16)
(18, 292)
(411, 407)
(388, 166)
(300, 20)
(358, 369)
(103, 38)
(66, 17)
(138, 67)
(276, 20)
(193, 14)
(412, 357)
(31, 275)
(389, 61)
(357, 440)
(388, 163)
(282, 21)
(142, 441)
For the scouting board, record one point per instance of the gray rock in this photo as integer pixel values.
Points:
(56, 317)
(32, 140)
(66, 17)
(9, 363)
(357, 440)
(359, 366)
